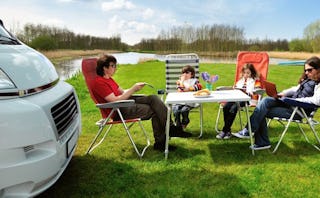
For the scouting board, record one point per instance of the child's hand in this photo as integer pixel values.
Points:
(182, 77)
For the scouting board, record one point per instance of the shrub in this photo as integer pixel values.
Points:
(43, 42)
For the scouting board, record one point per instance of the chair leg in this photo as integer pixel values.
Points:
(268, 121)
(130, 137)
(311, 125)
(101, 127)
(93, 145)
(285, 129)
(303, 133)
(147, 139)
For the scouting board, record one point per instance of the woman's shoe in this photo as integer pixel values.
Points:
(259, 147)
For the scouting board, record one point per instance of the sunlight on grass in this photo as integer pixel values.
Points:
(204, 167)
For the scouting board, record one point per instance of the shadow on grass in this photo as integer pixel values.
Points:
(89, 176)
(238, 152)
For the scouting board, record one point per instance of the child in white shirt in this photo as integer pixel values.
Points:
(247, 83)
(187, 82)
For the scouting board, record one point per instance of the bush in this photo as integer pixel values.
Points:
(43, 42)
(296, 45)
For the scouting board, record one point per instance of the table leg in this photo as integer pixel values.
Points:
(166, 152)
(249, 126)
(201, 119)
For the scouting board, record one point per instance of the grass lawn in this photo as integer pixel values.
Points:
(204, 167)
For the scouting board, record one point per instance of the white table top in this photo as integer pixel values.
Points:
(216, 96)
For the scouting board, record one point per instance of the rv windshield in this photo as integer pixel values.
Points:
(7, 38)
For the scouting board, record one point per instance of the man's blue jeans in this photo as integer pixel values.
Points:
(268, 107)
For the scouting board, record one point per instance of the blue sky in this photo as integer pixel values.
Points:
(137, 19)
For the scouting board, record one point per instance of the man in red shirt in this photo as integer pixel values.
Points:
(105, 89)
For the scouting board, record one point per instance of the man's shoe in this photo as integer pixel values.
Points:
(161, 146)
(178, 132)
(258, 147)
(244, 133)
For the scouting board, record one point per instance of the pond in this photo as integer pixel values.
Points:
(68, 68)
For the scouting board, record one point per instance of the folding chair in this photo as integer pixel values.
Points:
(174, 65)
(299, 108)
(89, 72)
(260, 60)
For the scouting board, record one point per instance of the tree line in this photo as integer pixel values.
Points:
(206, 38)
(215, 38)
(50, 38)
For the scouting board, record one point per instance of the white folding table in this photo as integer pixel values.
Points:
(216, 96)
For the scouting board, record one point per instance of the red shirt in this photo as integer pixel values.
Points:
(102, 87)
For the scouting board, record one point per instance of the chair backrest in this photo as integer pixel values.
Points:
(260, 60)
(174, 65)
(89, 72)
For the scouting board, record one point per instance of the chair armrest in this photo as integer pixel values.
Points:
(137, 95)
(220, 88)
(161, 91)
(259, 91)
(120, 103)
(296, 103)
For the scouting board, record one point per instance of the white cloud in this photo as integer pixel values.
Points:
(65, 0)
(148, 13)
(117, 5)
(131, 31)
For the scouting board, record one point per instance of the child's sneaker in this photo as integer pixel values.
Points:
(223, 135)
(227, 135)
(244, 133)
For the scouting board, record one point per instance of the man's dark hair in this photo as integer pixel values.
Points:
(104, 61)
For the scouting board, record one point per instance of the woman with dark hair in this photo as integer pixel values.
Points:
(105, 89)
(307, 91)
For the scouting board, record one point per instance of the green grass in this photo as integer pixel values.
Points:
(204, 167)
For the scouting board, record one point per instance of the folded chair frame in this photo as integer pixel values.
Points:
(298, 108)
(174, 65)
(108, 121)
(261, 62)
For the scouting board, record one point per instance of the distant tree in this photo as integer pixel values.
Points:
(46, 37)
(312, 34)
(43, 42)
(297, 45)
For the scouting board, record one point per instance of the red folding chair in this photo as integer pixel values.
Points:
(260, 60)
(89, 73)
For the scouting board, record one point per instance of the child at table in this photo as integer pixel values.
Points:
(186, 82)
(247, 83)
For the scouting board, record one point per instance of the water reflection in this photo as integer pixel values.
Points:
(68, 68)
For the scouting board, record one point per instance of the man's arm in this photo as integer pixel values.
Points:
(126, 94)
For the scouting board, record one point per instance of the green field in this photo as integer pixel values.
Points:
(204, 167)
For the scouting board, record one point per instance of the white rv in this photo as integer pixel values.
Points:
(39, 120)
